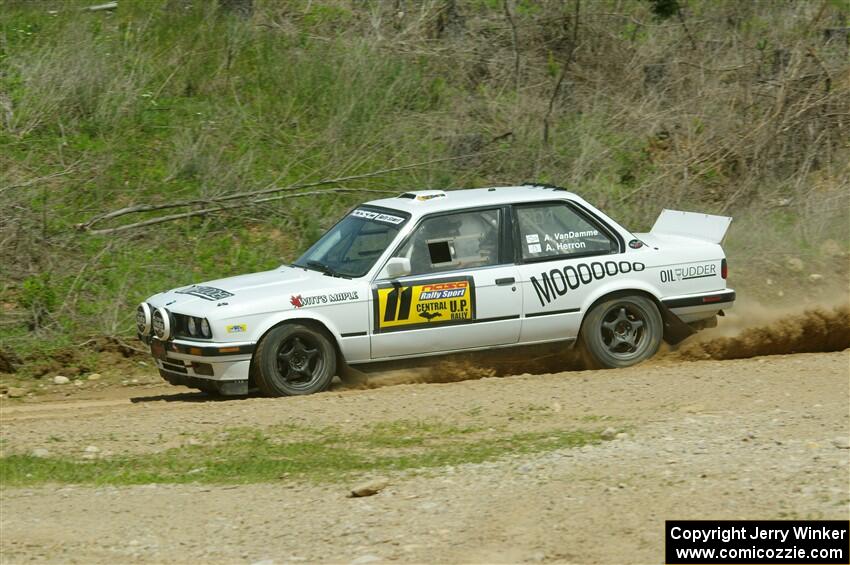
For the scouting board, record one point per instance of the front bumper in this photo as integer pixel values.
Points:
(224, 388)
(194, 363)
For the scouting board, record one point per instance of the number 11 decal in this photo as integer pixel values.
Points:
(392, 304)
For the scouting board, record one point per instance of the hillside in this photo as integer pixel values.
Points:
(737, 108)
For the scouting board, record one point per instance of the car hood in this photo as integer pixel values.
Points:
(279, 289)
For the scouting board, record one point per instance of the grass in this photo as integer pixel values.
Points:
(249, 456)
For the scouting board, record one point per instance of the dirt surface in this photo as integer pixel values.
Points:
(754, 438)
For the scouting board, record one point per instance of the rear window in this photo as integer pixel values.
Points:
(557, 230)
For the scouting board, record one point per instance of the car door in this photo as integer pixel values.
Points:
(562, 251)
(461, 292)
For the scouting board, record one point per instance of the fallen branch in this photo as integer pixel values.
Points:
(123, 344)
(717, 70)
(205, 211)
(86, 226)
(40, 179)
(101, 7)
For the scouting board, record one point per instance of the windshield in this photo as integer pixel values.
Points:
(351, 247)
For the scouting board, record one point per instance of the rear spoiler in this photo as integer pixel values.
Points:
(691, 224)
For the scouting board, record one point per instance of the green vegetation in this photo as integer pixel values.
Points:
(250, 456)
(726, 107)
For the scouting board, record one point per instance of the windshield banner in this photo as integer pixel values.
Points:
(377, 216)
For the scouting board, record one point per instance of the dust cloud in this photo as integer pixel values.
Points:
(758, 331)
(753, 330)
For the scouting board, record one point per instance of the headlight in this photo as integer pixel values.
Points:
(192, 325)
(143, 318)
(205, 328)
(161, 324)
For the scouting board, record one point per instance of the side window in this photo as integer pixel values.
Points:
(556, 230)
(454, 241)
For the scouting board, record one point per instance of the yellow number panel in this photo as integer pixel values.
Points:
(433, 302)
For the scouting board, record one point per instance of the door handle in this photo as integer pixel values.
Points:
(505, 281)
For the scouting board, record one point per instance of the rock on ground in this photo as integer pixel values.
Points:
(369, 488)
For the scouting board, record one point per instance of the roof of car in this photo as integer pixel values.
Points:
(420, 202)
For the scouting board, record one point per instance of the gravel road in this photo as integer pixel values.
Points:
(765, 437)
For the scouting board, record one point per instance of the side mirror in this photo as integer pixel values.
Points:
(398, 267)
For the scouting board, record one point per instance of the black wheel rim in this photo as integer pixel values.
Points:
(624, 330)
(299, 361)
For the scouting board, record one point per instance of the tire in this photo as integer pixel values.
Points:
(622, 331)
(294, 359)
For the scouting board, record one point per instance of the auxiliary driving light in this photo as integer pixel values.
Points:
(161, 324)
(143, 319)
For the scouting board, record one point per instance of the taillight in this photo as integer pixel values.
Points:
(724, 269)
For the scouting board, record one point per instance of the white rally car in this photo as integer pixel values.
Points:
(433, 272)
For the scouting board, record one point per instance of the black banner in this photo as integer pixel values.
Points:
(694, 542)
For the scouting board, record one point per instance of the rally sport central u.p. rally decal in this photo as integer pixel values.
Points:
(426, 303)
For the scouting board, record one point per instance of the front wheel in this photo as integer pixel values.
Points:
(622, 331)
(293, 359)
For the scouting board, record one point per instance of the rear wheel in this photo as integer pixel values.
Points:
(622, 331)
(294, 359)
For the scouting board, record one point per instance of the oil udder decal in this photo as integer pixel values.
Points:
(688, 272)
(437, 302)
